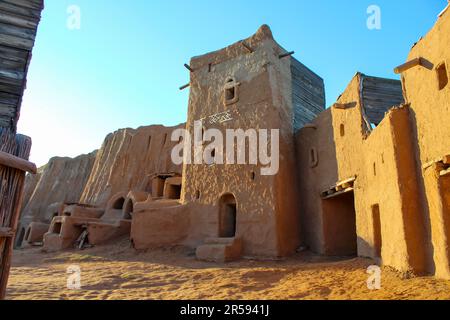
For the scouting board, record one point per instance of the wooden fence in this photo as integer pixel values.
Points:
(14, 152)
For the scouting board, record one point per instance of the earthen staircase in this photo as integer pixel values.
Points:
(220, 250)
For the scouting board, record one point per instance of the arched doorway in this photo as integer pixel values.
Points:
(118, 204)
(227, 216)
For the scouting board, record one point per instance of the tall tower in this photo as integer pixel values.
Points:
(253, 84)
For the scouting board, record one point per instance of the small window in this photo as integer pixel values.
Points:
(374, 169)
(313, 160)
(342, 130)
(377, 240)
(253, 176)
(197, 195)
(442, 75)
(57, 227)
(231, 91)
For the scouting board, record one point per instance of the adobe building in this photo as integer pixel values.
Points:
(96, 192)
(367, 177)
(235, 209)
(427, 91)
(378, 185)
(358, 187)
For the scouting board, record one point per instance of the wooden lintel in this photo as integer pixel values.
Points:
(11, 161)
(346, 182)
(338, 193)
(408, 65)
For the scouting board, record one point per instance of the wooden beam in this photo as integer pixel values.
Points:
(338, 193)
(340, 105)
(188, 67)
(284, 55)
(11, 161)
(185, 86)
(408, 65)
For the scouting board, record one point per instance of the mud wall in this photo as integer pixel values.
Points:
(61, 180)
(127, 160)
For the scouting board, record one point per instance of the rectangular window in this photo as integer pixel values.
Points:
(442, 75)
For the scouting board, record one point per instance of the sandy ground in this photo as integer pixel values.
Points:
(119, 272)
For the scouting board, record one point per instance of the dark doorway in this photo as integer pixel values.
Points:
(173, 191)
(340, 225)
(128, 210)
(227, 216)
(377, 241)
(118, 204)
(20, 238)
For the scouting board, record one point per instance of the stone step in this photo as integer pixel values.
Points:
(229, 250)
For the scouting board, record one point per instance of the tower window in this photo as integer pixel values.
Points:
(231, 91)
(342, 129)
(442, 75)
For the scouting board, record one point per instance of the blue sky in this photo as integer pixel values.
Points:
(124, 66)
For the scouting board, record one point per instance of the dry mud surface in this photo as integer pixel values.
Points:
(119, 272)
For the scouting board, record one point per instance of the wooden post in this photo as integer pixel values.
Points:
(8, 242)
(13, 152)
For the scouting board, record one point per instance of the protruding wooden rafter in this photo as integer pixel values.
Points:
(287, 54)
(408, 65)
